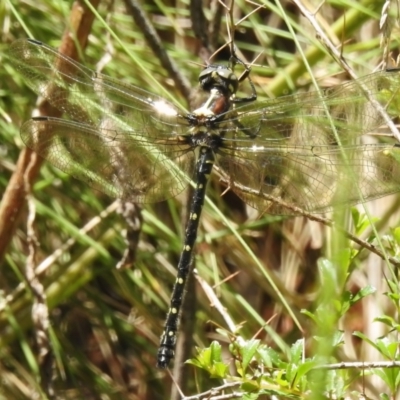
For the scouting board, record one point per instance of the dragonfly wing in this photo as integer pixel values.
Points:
(306, 149)
(123, 164)
(313, 178)
(90, 97)
(336, 115)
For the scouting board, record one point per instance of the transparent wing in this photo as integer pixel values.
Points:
(313, 178)
(110, 160)
(120, 139)
(90, 97)
(307, 150)
(336, 115)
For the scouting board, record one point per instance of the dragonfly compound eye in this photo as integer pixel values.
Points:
(220, 77)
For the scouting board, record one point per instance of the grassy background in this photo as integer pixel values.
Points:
(106, 323)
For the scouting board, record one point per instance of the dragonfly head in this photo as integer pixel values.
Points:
(219, 77)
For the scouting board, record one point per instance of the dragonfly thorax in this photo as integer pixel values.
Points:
(211, 110)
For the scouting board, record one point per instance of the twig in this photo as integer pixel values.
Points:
(214, 300)
(211, 394)
(360, 365)
(81, 21)
(40, 311)
(155, 43)
(292, 209)
(134, 220)
(386, 28)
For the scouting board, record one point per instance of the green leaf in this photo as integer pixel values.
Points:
(393, 286)
(394, 296)
(250, 386)
(248, 351)
(361, 221)
(215, 352)
(337, 338)
(365, 291)
(302, 370)
(296, 351)
(210, 360)
(390, 377)
(269, 357)
(396, 234)
(309, 314)
(365, 338)
(389, 321)
(328, 273)
(387, 348)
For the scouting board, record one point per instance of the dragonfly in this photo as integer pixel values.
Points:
(310, 150)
